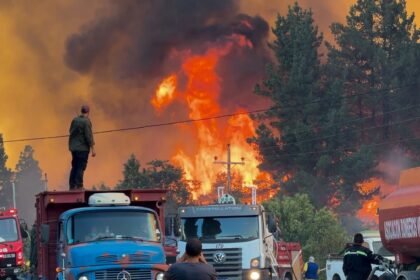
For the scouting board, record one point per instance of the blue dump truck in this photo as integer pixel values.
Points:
(90, 235)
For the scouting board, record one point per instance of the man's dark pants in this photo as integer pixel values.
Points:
(78, 167)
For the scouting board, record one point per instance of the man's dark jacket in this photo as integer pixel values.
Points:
(81, 137)
(357, 263)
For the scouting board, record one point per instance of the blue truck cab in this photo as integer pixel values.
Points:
(107, 239)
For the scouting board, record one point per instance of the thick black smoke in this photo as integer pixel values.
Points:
(133, 39)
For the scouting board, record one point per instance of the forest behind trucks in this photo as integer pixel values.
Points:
(399, 224)
(238, 241)
(93, 235)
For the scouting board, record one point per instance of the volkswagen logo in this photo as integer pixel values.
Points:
(219, 257)
(124, 275)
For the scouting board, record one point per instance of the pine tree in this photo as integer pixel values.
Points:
(158, 174)
(5, 178)
(376, 57)
(132, 176)
(28, 183)
(301, 140)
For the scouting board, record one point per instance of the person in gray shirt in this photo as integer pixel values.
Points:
(192, 265)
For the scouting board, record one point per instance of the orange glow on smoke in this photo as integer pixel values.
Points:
(165, 92)
(201, 96)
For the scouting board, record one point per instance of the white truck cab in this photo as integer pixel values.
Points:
(235, 239)
(334, 266)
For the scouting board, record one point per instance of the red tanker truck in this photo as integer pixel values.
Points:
(399, 224)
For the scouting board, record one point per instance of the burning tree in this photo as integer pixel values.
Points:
(376, 59)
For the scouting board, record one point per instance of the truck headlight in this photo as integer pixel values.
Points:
(255, 262)
(83, 278)
(160, 276)
(254, 275)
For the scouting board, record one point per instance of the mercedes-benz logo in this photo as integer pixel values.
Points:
(124, 275)
(219, 257)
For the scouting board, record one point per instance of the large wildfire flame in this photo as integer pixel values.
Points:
(201, 96)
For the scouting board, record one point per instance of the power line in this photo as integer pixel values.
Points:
(143, 126)
(344, 148)
(355, 120)
(204, 119)
(349, 129)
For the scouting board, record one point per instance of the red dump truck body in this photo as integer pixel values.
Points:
(289, 259)
(50, 205)
(399, 219)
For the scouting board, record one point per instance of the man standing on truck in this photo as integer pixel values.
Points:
(192, 265)
(357, 263)
(80, 144)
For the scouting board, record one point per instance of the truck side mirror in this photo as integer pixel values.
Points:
(45, 233)
(23, 231)
(271, 223)
(177, 226)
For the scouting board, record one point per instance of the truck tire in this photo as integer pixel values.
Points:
(288, 276)
(387, 276)
(336, 277)
(409, 275)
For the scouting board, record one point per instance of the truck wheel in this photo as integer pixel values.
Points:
(387, 276)
(409, 275)
(288, 276)
(336, 277)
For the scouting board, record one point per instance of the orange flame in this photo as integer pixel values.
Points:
(368, 212)
(165, 92)
(201, 95)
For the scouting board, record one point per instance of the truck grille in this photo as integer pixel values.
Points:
(229, 268)
(135, 274)
(133, 258)
(8, 260)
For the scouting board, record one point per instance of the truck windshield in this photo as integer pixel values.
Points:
(215, 229)
(106, 225)
(8, 230)
(379, 249)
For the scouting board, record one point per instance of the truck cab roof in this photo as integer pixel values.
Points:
(65, 215)
(220, 210)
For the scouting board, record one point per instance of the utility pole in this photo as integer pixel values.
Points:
(228, 163)
(13, 189)
(45, 182)
(253, 193)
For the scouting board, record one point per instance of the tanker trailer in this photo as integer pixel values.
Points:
(399, 224)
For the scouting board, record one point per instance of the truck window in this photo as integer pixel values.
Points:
(104, 225)
(215, 229)
(379, 249)
(8, 230)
